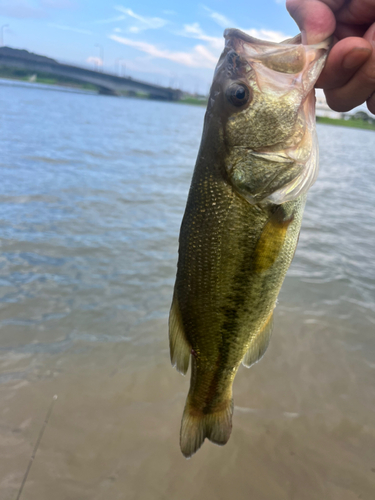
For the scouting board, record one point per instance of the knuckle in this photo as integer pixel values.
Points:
(369, 75)
(337, 103)
(371, 103)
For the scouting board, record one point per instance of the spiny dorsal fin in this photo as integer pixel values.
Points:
(179, 347)
(259, 344)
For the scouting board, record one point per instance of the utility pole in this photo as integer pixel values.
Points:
(120, 68)
(2, 34)
(101, 53)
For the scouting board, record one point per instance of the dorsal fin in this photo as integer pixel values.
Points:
(259, 344)
(179, 347)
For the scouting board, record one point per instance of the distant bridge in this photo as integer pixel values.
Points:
(107, 83)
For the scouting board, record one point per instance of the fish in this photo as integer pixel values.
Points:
(257, 159)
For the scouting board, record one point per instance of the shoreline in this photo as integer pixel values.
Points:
(191, 101)
(340, 122)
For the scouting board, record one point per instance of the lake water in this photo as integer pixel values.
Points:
(92, 193)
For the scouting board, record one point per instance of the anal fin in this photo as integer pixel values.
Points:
(179, 347)
(259, 344)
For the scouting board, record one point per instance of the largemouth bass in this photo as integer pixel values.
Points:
(257, 159)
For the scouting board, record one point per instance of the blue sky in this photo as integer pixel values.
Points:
(165, 42)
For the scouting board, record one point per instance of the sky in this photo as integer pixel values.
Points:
(166, 42)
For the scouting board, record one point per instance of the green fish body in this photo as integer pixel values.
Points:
(257, 159)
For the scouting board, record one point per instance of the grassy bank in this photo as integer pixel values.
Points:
(193, 100)
(354, 123)
(47, 78)
(40, 77)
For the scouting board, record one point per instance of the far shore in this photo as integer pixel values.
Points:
(351, 122)
(186, 99)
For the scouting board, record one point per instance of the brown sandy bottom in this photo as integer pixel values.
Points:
(303, 425)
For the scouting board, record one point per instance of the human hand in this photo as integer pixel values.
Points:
(348, 78)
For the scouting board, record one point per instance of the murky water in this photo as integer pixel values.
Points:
(91, 197)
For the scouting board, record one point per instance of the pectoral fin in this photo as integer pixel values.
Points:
(179, 347)
(263, 173)
(271, 240)
(274, 157)
(259, 344)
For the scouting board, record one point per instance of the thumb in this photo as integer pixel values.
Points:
(314, 18)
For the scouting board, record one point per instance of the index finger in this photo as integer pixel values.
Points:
(314, 17)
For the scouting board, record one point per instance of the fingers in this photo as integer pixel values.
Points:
(344, 30)
(344, 60)
(348, 78)
(357, 12)
(361, 85)
(314, 17)
(371, 103)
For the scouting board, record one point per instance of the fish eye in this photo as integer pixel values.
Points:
(237, 94)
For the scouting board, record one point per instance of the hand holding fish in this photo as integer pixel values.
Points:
(348, 78)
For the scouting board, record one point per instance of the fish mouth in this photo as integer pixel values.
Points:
(230, 33)
(236, 33)
(290, 56)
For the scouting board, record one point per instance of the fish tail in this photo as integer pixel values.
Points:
(197, 425)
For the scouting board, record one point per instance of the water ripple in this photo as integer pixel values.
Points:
(89, 222)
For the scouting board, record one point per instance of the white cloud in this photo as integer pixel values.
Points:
(70, 28)
(219, 19)
(272, 36)
(143, 64)
(96, 61)
(143, 23)
(195, 31)
(110, 20)
(199, 57)
(263, 34)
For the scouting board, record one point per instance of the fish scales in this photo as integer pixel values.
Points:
(238, 236)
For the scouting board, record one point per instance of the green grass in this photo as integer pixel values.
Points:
(193, 100)
(346, 123)
(47, 81)
(25, 75)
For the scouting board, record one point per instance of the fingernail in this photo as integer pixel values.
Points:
(356, 57)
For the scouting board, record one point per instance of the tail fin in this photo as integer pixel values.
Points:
(196, 426)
